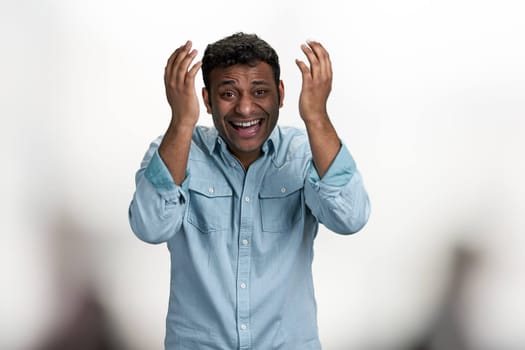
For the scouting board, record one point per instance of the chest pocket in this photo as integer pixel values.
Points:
(281, 205)
(210, 205)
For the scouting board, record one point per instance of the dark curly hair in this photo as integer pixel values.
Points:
(239, 48)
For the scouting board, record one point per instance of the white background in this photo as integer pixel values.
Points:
(427, 95)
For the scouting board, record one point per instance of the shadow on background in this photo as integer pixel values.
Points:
(446, 332)
(89, 329)
(83, 322)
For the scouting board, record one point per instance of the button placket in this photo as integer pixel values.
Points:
(243, 274)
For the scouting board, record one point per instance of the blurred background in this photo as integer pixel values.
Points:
(429, 97)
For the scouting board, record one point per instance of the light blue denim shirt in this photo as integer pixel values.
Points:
(241, 242)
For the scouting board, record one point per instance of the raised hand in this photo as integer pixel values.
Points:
(179, 80)
(317, 82)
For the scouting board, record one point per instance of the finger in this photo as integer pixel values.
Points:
(185, 65)
(181, 56)
(182, 61)
(170, 63)
(318, 49)
(310, 55)
(176, 57)
(193, 72)
(305, 71)
(182, 52)
(175, 54)
(324, 67)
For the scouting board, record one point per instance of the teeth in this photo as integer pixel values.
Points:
(246, 124)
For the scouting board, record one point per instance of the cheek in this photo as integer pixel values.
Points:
(218, 121)
(218, 110)
(273, 111)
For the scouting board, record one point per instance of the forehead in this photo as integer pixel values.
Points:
(261, 72)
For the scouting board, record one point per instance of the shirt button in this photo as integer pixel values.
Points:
(244, 242)
(243, 285)
(244, 326)
(283, 189)
(211, 190)
(246, 199)
(232, 164)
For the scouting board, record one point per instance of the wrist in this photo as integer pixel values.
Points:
(316, 120)
(178, 123)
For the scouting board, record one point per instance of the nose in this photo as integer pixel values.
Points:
(245, 105)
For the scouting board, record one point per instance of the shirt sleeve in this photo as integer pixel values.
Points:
(339, 172)
(158, 205)
(158, 175)
(339, 200)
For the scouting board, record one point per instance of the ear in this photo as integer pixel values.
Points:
(206, 100)
(281, 93)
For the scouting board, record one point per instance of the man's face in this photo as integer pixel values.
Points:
(244, 102)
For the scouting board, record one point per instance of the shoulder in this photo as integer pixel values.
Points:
(291, 143)
(205, 133)
(293, 140)
(203, 142)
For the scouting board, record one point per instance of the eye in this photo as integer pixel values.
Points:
(260, 92)
(228, 94)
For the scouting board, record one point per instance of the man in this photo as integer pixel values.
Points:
(239, 204)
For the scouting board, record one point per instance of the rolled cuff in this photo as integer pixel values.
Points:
(339, 173)
(159, 176)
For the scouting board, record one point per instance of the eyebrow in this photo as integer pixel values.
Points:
(233, 83)
(260, 82)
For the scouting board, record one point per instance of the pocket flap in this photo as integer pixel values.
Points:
(210, 188)
(284, 187)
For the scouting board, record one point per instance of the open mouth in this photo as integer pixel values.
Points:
(247, 124)
(247, 129)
